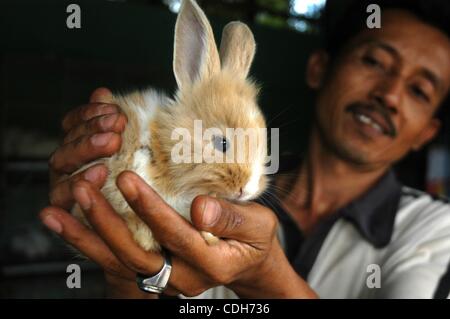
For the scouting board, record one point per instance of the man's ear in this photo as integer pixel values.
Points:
(428, 133)
(316, 69)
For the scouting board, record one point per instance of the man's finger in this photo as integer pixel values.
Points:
(170, 229)
(113, 229)
(114, 122)
(250, 222)
(100, 103)
(86, 112)
(61, 193)
(83, 239)
(69, 157)
(183, 278)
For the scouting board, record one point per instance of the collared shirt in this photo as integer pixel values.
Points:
(391, 242)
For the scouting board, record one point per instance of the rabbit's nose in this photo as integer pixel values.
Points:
(240, 192)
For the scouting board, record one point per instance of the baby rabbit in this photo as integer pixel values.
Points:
(212, 88)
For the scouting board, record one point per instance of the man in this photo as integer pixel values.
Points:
(348, 229)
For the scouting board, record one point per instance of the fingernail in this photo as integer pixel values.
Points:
(82, 197)
(52, 223)
(92, 174)
(101, 139)
(131, 190)
(211, 212)
(108, 121)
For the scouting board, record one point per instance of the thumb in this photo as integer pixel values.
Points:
(246, 222)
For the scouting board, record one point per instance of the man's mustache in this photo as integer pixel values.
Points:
(375, 107)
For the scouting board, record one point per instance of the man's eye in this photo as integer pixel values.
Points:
(221, 143)
(418, 92)
(371, 61)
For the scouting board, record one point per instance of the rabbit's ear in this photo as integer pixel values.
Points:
(237, 48)
(195, 51)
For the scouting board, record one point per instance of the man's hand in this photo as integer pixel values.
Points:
(92, 132)
(248, 259)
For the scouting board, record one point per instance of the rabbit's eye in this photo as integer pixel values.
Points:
(221, 143)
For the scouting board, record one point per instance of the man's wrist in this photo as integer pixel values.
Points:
(274, 278)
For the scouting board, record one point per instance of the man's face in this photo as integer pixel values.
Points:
(378, 100)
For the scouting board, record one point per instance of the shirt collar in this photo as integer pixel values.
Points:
(373, 213)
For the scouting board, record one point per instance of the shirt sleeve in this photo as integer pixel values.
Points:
(419, 258)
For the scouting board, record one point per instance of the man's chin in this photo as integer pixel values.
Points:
(355, 151)
(351, 146)
(351, 155)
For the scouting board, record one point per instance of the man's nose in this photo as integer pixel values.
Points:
(389, 93)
